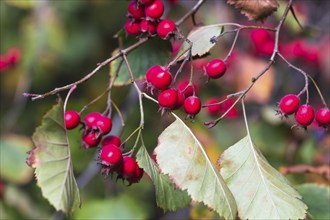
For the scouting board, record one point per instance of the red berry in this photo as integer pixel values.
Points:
(111, 155)
(128, 167)
(305, 115)
(91, 119)
(322, 117)
(138, 174)
(4, 63)
(71, 119)
(145, 2)
(148, 27)
(165, 28)
(104, 124)
(187, 90)
(135, 10)
(159, 77)
(111, 139)
(155, 10)
(215, 68)
(213, 109)
(192, 105)
(132, 27)
(91, 140)
(13, 55)
(168, 98)
(180, 100)
(289, 104)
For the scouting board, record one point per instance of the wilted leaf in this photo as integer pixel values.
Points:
(13, 150)
(317, 198)
(261, 192)
(52, 159)
(168, 197)
(122, 207)
(255, 9)
(201, 39)
(181, 156)
(154, 52)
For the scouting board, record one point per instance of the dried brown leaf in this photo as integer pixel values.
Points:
(257, 10)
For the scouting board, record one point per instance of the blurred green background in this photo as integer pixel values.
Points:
(61, 41)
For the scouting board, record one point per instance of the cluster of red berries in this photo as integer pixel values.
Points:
(9, 59)
(95, 126)
(112, 160)
(111, 157)
(144, 19)
(304, 114)
(159, 79)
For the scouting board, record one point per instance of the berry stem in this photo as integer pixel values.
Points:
(318, 90)
(67, 97)
(132, 134)
(232, 46)
(120, 115)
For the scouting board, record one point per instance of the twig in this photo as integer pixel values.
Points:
(323, 170)
(192, 12)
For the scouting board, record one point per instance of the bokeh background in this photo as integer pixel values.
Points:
(46, 44)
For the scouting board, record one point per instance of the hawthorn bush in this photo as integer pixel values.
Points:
(202, 109)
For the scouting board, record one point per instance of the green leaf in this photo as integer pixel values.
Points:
(52, 159)
(154, 52)
(168, 197)
(123, 207)
(201, 39)
(13, 150)
(261, 192)
(317, 198)
(182, 157)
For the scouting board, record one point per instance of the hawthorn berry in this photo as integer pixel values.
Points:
(180, 100)
(192, 106)
(90, 139)
(168, 99)
(91, 120)
(135, 10)
(128, 167)
(322, 117)
(213, 109)
(71, 119)
(215, 68)
(155, 10)
(111, 155)
(111, 139)
(145, 2)
(159, 77)
(289, 104)
(165, 28)
(104, 124)
(148, 27)
(187, 90)
(132, 27)
(305, 115)
(138, 174)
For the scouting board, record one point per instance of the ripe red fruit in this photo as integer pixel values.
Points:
(71, 119)
(138, 174)
(111, 139)
(90, 140)
(104, 124)
(159, 77)
(128, 167)
(165, 28)
(132, 27)
(187, 90)
(289, 104)
(135, 10)
(180, 100)
(322, 117)
(145, 2)
(192, 105)
(215, 68)
(148, 27)
(168, 98)
(213, 109)
(305, 115)
(155, 10)
(111, 155)
(13, 55)
(91, 120)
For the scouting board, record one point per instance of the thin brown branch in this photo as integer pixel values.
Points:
(323, 170)
(192, 12)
